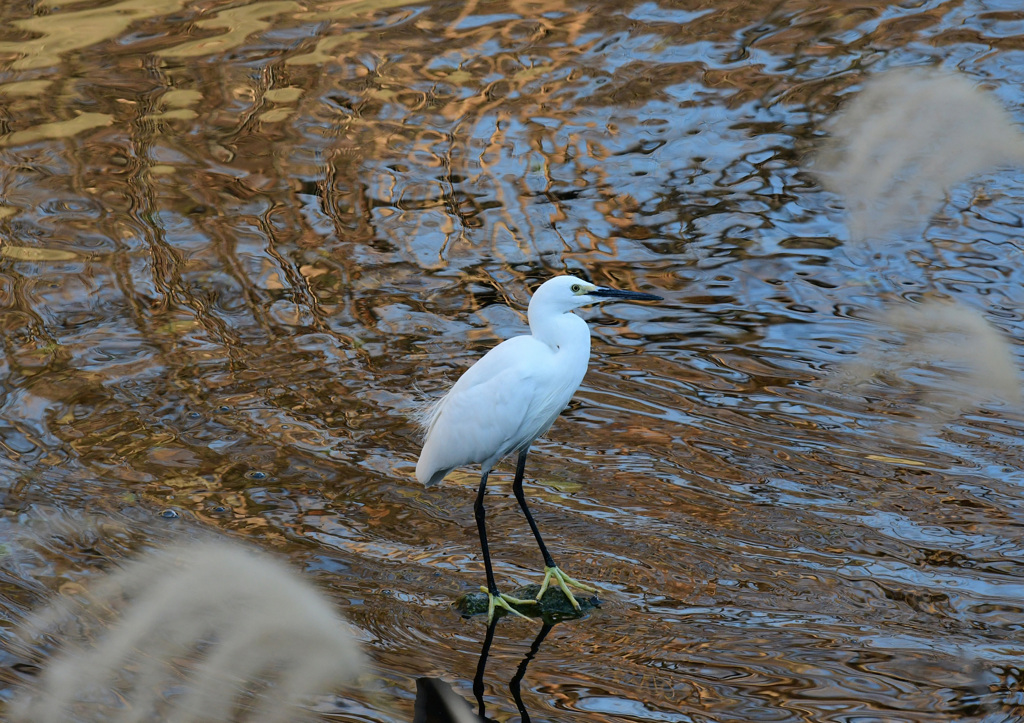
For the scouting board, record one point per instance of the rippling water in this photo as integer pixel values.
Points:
(242, 243)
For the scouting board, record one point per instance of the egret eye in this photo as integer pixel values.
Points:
(576, 288)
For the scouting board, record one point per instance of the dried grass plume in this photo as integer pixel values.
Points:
(944, 357)
(202, 632)
(908, 137)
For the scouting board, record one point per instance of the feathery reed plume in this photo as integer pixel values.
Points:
(905, 140)
(945, 354)
(206, 631)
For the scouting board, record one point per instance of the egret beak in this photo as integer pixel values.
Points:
(604, 291)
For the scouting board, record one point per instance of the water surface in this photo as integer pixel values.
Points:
(243, 242)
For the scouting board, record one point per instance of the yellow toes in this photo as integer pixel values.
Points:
(564, 582)
(501, 601)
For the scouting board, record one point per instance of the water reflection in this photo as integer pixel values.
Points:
(514, 685)
(240, 242)
(517, 679)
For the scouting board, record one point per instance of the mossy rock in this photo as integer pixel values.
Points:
(554, 606)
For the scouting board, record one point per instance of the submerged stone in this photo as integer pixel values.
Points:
(553, 606)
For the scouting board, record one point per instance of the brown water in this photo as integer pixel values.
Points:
(242, 242)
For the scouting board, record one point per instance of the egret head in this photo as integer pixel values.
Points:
(565, 293)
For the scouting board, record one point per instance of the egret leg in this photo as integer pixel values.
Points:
(550, 568)
(494, 598)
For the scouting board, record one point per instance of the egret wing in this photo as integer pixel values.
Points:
(499, 404)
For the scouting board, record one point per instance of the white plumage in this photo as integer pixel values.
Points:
(510, 397)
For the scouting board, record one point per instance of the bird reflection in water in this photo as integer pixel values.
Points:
(436, 702)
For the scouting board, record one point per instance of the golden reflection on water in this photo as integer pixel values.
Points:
(241, 244)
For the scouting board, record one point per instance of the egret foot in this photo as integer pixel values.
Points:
(502, 601)
(564, 581)
(512, 600)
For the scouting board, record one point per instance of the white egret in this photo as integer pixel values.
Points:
(508, 399)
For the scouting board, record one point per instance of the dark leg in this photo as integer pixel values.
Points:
(517, 490)
(551, 570)
(481, 526)
(494, 598)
